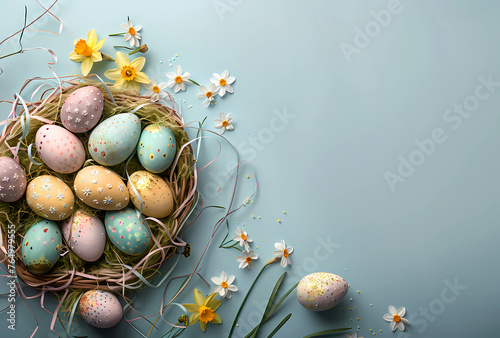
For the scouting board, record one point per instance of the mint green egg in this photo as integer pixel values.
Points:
(41, 247)
(127, 231)
(157, 147)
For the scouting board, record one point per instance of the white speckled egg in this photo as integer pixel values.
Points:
(100, 309)
(12, 180)
(41, 247)
(82, 109)
(115, 139)
(101, 188)
(157, 198)
(127, 231)
(59, 149)
(156, 149)
(50, 197)
(321, 291)
(85, 235)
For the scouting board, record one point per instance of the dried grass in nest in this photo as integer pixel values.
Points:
(107, 274)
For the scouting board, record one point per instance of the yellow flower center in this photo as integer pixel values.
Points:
(178, 79)
(206, 314)
(82, 48)
(248, 260)
(156, 89)
(131, 31)
(128, 73)
(242, 236)
(225, 124)
(209, 94)
(222, 82)
(285, 253)
(224, 285)
(396, 318)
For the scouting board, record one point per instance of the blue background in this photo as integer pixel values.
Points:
(352, 121)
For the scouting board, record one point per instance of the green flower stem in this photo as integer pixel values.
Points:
(248, 292)
(196, 83)
(116, 34)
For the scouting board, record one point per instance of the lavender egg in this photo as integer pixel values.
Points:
(100, 309)
(321, 291)
(85, 236)
(12, 180)
(82, 110)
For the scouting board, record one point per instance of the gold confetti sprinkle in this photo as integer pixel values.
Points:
(358, 319)
(284, 211)
(279, 221)
(248, 176)
(358, 291)
(259, 217)
(253, 216)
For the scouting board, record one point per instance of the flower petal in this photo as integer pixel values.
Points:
(178, 70)
(194, 318)
(138, 63)
(283, 262)
(124, 26)
(392, 310)
(98, 45)
(191, 307)
(96, 57)
(214, 305)
(216, 320)
(230, 80)
(232, 288)
(87, 66)
(77, 57)
(141, 77)
(406, 321)
(203, 326)
(388, 317)
(401, 326)
(198, 297)
(401, 311)
(91, 38)
(223, 276)
(216, 280)
(393, 326)
(225, 74)
(113, 74)
(121, 60)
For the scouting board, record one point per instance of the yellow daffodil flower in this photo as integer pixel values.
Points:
(203, 309)
(128, 74)
(87, 51)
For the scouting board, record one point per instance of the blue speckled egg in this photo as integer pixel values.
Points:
(127, 232)
(115, 139)
(41, 247)
(156, 149)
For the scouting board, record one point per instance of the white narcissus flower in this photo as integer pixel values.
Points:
(284, 252)
(224, 285)
(223, 82)
(355, 335)
(242, 237)
(156, 90)
(247, 259)
(133, 36)
(224, 122)
(208, 94)
(395, 317)
(178, 80)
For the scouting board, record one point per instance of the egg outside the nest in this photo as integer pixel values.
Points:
(157, 198)
(128, 231)
(100, 309)
(321, 291)
(41, 247)
(157, 147)
(85, 235)
(12, 180)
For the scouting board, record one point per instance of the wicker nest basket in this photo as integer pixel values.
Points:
(108, 273)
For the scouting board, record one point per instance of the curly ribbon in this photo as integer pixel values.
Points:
(25, 118)
(72, 314)
(105, 86)
(31, 157)
(139, 107)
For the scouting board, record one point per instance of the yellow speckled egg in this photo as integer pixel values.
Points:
(101, 188)
(50, 197)
(321, 291)
(157, 198)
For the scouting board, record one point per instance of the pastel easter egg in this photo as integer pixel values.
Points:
(128, 231)
(157, 147)
(85, 235)
(49, 197)
(101, 188)
(321, 291)
(82, 109)
(59, 149)
(41, 247)
(156, 196)
(115, 139)
(12, 180)
(100, 309)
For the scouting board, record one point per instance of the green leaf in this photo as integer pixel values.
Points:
(279, 302)
(196, 83)
(280, 325)
(269, 304)
(322, 333)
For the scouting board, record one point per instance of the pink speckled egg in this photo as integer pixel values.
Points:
(82, 110)
(85, 235)
(12, 180)
(100, 309)
(321, 291)
(59, 149)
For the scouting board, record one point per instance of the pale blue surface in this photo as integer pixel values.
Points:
(349, 124)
